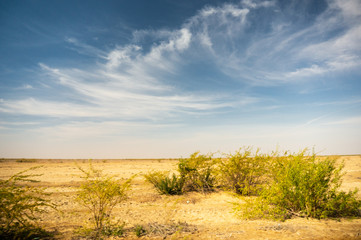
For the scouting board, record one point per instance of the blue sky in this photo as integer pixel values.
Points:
(152, 79)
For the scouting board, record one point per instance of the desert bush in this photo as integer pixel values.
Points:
(19, 206)
(198, 172)
(243, 172)
(26, 160)
(303, 185)
(139, 230)
(100, 193)
(108, 231)
(164, 184)
(116, 230)
(172, 228)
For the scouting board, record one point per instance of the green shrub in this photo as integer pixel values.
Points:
(116, 230)
(26, 160)
(100, 193)
(304, 185)
(19, 206)
(139, 230)
(198, 172)
(165, 184)
(242, 172)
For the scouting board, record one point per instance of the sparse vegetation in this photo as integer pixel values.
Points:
(26, 160)
(100, 193)
(243, 172)
(270, 186)
(116, 230)
(198, 172)
(19, 206)
(139, 230)
(164, 184)
(287, 185)
(303, 185)
(164, 230)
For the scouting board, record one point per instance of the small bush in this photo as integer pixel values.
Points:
(26, 160)
(19, 207)
(198, 172)
(139, 230)
(242, 172)
(165, 184)
(303, 185)
(116, 230)
(100, 193)
(165, 230)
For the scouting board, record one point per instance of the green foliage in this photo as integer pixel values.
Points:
(115, 230)
(26, 160)
(198, 172)
(304, 185)
(242, 172)
(100, 193)
(155, 229)
(165, 184)
(139, 230)
(19, 206)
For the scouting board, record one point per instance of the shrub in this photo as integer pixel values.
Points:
(25, 160)
(139, 230)
(116, 230)
(304, 185)
(100, 193)
(165, 184)
(19, 206)
(242, 172)
(198, 172)
(155, 229)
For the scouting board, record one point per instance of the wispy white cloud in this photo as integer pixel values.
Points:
(257, 4)
(349, 102)
(25, 87)
(136, 81)
(115, 92)
(306, 72)
(349, 8)
(121, 56)
(35, 107)
(287, 53)
(346, 121)
(84, 48)
(106, 129)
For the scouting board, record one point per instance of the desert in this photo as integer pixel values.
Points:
(192, 215)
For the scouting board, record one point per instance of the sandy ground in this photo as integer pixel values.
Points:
(203, 216)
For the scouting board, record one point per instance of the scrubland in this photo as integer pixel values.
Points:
(147, 214)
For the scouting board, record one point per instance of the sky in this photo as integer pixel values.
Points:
(164, 78)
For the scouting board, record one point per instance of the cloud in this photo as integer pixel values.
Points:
(35, 107)
(282, 51)
(133, 81)
(306, 72)
(349, 8)
(121, 56)
(85, 49)
(26, 87)
(122, 88)
(257, 4)
(346, 121)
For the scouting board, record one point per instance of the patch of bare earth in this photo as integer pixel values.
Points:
(190, 216)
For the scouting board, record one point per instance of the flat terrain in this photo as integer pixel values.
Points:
(202, 216)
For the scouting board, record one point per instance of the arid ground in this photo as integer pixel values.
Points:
(202, 216)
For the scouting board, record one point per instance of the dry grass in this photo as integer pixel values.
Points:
(189, 216)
